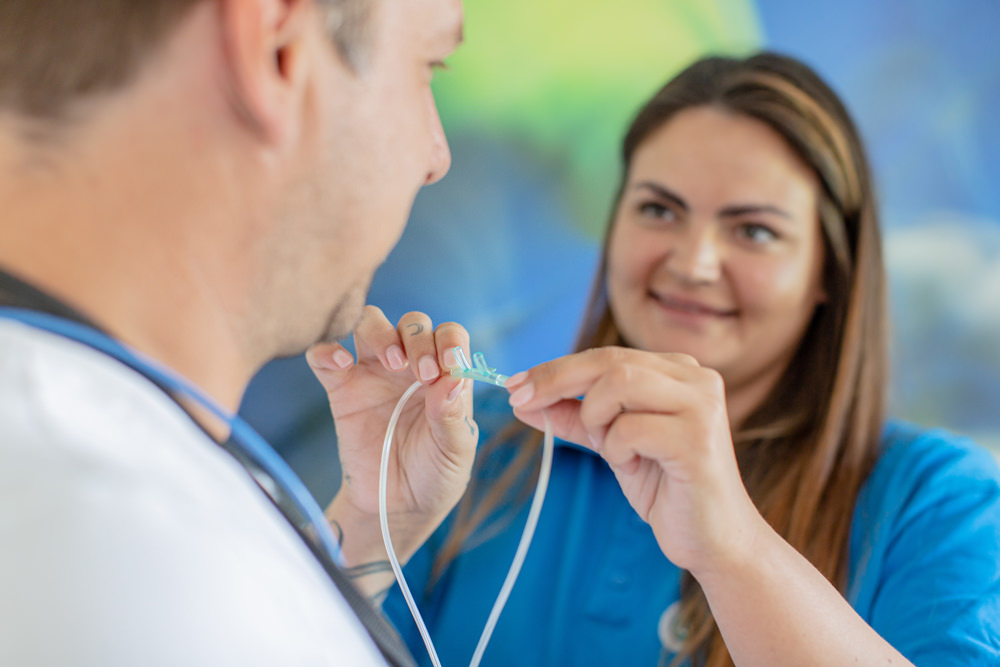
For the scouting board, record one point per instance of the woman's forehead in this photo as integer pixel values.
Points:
(709, 154)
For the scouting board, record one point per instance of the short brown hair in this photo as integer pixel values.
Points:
(54, 53)
(349, 22)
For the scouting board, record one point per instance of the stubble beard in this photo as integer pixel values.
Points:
(345, 315)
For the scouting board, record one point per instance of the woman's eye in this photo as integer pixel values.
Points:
(758, 234)
(657, 210)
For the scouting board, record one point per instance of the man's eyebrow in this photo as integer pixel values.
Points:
(663, 192)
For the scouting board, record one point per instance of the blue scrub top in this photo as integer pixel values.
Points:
(595, 589)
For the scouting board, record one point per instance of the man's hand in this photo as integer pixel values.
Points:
(434, 444)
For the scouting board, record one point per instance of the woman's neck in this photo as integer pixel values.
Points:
(743, 398)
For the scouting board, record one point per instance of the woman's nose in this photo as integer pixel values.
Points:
(696, 258)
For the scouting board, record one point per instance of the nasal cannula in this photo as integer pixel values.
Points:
(483, 373)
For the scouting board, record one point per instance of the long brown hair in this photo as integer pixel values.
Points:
(807, 449)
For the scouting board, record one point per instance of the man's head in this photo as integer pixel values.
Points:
(385, 143)
(261, 154)
(56, 53)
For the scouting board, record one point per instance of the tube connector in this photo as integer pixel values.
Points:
(480, 371)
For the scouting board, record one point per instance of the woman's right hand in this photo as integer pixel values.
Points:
(661, 423)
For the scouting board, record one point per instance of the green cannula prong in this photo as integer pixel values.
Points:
(480, 372)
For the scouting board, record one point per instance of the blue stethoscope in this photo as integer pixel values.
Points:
(243, 438)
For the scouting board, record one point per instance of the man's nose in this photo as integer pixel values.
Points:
(440, 152)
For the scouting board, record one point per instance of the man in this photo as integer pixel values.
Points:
(210, 183)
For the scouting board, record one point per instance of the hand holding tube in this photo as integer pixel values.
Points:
(660, 421)
(436, 437)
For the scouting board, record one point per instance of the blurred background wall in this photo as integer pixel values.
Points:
(535, 105)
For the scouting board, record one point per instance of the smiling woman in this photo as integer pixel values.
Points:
(716, 250)
(748, 503)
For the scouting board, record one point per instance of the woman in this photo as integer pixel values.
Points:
(748, 503)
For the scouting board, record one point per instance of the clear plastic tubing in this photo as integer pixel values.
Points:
(485, 374)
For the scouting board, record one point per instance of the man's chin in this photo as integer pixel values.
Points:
(336, 330)
(345, 316)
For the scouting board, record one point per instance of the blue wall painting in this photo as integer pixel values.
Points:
(535, 104)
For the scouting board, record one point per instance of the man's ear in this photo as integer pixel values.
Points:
(265, 48)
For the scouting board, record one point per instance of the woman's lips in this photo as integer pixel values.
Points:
(691, 307)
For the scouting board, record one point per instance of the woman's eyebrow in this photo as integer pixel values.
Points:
(663, 192)
(733, 211)
(749, 209)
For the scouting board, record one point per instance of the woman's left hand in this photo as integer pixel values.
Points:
(661, 423)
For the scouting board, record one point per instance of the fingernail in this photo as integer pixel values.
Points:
(428, 368)
(449, 358)
(522, 395)
(515, 380)
(343, 359)
(456, 392)
(396, 359)
(593, 443)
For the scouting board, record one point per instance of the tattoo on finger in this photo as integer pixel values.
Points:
(416, 329)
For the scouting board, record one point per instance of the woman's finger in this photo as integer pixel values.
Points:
(632, 388)
(659, 437)
(573, 375)
(564, 417)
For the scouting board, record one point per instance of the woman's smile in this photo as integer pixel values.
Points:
(689, 312)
